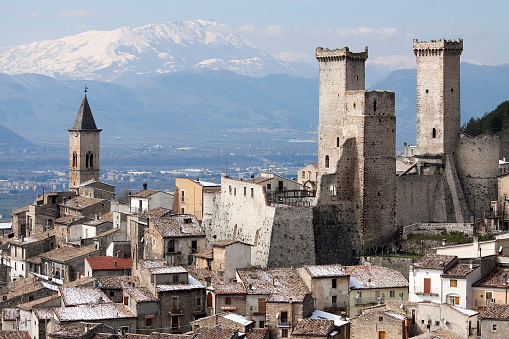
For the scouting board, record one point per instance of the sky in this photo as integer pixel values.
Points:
(293, 27)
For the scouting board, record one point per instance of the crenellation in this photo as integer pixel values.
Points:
(340, 54)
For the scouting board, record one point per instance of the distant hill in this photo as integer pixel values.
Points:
(8, 136)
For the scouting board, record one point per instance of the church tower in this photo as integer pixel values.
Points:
(83, 147)
(438, 95)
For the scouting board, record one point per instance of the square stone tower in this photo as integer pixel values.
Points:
(438, 95)
(356, 148)
(340, 70)
(83, 147)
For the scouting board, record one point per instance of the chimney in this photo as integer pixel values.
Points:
(115, 263)
(144, 185)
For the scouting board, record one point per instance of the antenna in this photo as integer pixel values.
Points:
(86, 88)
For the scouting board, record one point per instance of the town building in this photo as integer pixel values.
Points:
(189, 195)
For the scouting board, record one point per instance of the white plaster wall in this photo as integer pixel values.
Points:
(416, 283)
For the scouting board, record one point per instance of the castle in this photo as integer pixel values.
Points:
(361, 203)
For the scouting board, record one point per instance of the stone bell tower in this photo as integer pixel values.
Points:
(83, 147)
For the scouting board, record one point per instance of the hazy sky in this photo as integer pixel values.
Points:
(386, 26)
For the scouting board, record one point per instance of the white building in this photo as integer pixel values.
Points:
(147, 200)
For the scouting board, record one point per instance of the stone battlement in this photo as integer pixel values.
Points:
(433, 47)
(340, 54)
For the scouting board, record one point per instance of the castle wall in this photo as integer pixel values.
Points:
(477, 160)
(280, 236)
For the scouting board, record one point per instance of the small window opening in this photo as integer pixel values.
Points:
(427, 91)
(326, 161)
(374, 106)
(337, 142)
(434, 132)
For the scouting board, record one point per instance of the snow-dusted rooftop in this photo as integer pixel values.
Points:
(93, 312)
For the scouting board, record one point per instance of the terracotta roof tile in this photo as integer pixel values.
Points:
(257, 333)
(229, 289)
(496, 311)
(272, 280)
(66, 253)
(460, 271)
(14, 335)
(365, 277)
(144, 193)
(216, 332)
(73, 296)
(435, 261)
(495, 279)
(314, 327)
(109, 263)
(177, 226)
(29, 305)
(321, 271)
(437, 334)
(117, 282)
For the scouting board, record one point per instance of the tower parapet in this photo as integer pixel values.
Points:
(340, 54)
(433, 47)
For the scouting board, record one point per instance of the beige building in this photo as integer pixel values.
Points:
(373, 285)
(492, 289)
(189, 195)
(308, 176)
(329, 285)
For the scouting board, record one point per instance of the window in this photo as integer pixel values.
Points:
(392, 293)
(194, 246)
(245, 190)
(74, 159)
(326, 161)
(434, 133)
(334, 301)
(198, 301)
(182, 196)
(261, 305)
(235, 191)
(334, 283)
(91, 160)
(337, 142)
(380, 318)
(453, 283)
(228, 300)
(261, 324)
(175, 278)
(126, 300)
(209, 299)
(269, 186)
(437, 323)
(303, 174)
(252, 192)
(190, 260)
(494, 327)
(284, 333)
(374, 106)
(175, 303)
(112, 293)
(171, 246)
(148, 320)
(230, 189)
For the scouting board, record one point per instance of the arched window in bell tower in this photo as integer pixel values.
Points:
(87, 158)
(91, 159)
(74, 159)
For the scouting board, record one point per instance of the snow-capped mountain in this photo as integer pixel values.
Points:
(127, 55)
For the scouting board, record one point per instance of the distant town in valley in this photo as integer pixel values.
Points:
(228, 214)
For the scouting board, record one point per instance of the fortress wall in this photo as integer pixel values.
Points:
(415, 198)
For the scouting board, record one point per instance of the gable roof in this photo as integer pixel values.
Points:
(73, 296)
(109, 263)
(177, 225)
(314, 327)
(272, 280)
(66, 253)
(322, 271)
(435, 261)
(496, 311)
(494, 279)
(93, 312)
(84, 119)
(366, 277)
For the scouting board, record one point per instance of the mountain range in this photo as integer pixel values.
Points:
(192, 82)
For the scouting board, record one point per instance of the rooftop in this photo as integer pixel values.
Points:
(66, 253)
(93, 312)
(108, 217)
(435, 261)
(144, 193)
(109, 263)
(494, 279)
(322, 271)
(317, 314)
(80, 202)
(366, 277)
(117, 282)
(271, 280)
(216, 332)
(33, 304)
(78, 329)
(313, 327)
(227, 242)
(437, 334)
(43, 313)
(496, 311)
(156, 213)
(140, 294)
(460, 271)
(84, 119)
(177, 226)
(69, 220)
(73, 296)
(230, 289)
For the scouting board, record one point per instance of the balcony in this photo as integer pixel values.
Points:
(284, 323)
(337, 306)
(369, 301)
(429, 291)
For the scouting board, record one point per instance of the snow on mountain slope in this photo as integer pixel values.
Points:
(128, 55)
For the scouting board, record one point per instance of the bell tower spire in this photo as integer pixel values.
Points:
(83, 146)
